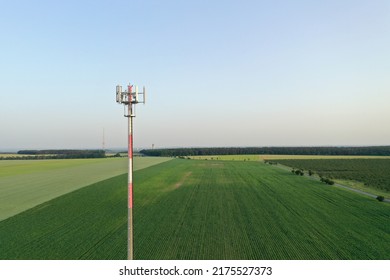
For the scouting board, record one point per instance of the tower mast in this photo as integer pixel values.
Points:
(130, 98)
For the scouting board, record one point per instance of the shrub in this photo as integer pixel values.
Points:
(327, 181)
(299, 172)
(380, 198)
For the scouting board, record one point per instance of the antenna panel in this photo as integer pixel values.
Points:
(136, 94)
(118, 94)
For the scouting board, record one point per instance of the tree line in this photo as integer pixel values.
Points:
(56, 154)
(348, 151)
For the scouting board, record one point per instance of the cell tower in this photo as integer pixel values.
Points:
(129, 99)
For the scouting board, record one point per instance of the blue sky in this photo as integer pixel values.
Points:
(217, 73)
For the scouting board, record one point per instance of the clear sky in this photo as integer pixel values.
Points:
(217, 73)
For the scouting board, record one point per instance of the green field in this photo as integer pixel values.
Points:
(27, 183)
(372, 175)
(186, 209)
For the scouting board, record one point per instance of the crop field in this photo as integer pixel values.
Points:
(358, 172)
(187, 209)
(373, 173)
(27, 183)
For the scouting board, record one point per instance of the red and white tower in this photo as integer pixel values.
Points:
(130, 98)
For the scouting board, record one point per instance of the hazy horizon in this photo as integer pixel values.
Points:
(217, 73)
(136, 149)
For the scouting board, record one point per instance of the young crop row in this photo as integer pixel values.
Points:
(87, 223)
(187, 209)
(231, 210)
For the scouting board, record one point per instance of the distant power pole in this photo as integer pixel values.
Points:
(104, 142)
(130, 98)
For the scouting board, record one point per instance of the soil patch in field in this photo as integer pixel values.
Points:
(178, 184)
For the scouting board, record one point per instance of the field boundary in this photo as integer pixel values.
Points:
(35, 182)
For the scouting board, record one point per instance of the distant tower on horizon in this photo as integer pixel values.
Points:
(104, 142)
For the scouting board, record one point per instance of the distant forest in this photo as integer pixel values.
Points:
(57, 154)
(348, 151)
